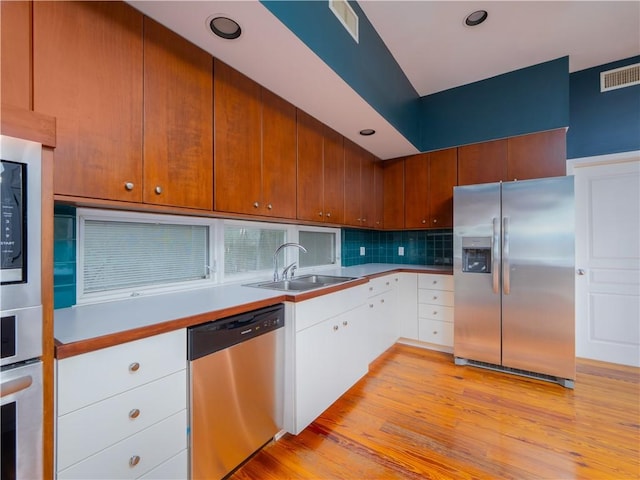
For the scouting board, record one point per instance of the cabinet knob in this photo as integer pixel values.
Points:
(435, 297)
(371, 305)
(269, 206)
(134, 460)
(396, 279)
(335, 328)
(345, 323)
(371, 289)
(435, 282)
(424, 221)
(581, 271)
(158, 190)
(134, 367)
(256, 204)
(319, 214)
(358, 219)
(435, 220)
(364, 219)
(387, 283)
(435, 332)
(128, 186)
(435, 312)
(382, 300)
(135, 413)
(328, 214)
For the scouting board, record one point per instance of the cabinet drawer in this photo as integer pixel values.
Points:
(316, 310)
(115, 418)
(173, 469)
(435, 312)
(435, 282)
(436, 332)
(435, 297)
(151, 446)
(88, 378)
(381, 284)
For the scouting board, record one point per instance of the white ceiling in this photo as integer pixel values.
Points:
(428, 40)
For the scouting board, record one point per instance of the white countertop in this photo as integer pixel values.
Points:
(83, 322)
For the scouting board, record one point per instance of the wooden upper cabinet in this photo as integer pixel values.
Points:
(87, 73)
(416, 191)
(367, 189)
(352, 184)
(378, 194)
(393, 193)
(278, 156)
(484, 162)
(310, 169)
(443, 176)
(178, 120)
(237, 141)
(537, 155)
(15, 55)
(333, 158)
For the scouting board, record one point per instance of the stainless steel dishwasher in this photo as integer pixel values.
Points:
(236, 371)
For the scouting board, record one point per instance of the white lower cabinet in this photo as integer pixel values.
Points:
(327, 353)
(122, 410)
(435, 310)
(382, 314)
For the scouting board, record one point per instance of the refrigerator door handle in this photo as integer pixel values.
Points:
(495, 255)
(506, 281)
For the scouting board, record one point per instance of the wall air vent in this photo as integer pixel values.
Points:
(346, 15)
(620, 77)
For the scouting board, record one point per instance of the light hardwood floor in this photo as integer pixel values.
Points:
(416, 415)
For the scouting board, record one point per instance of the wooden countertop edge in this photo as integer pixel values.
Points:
(66, 350)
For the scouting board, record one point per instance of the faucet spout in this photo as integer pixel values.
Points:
(276, 275)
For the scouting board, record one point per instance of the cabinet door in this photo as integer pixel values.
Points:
(537, 155)
(87, 73)
(352, 186)
(278, 157)
(178, 120)
(393, 194)
(378, 194)
(443, 176)
(333, 176)
(15, 42)
(310, 168)
(484, 162)
(367, 189)
(237, 151)
(416, 191)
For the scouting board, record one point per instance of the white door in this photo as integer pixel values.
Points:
(608, 257)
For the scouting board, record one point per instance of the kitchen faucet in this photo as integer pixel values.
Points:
(276, 276)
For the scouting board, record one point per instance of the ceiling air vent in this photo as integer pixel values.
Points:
(346, 15)
(620, 77)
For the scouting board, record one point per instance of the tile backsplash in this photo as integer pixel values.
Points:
(64, 256)
(421, 247)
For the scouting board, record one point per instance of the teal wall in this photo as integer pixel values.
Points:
(602, 122)
(529, 100)
(421, 247)
(64, 256)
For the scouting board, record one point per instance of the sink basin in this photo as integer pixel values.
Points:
(303, 283)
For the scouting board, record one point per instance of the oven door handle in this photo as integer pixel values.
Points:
(16, 385)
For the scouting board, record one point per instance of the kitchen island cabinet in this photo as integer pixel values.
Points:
(134, 396)
(254, 147)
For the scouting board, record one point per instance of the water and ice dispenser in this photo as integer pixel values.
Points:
(476, 254)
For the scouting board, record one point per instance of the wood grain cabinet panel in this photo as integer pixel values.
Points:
(484, 162)
(237, 149)
(367, 189)
(88, 74)
(443, 176)
(333, 160)
(310, 169)
(393, 193)
(416, 191)
(378, 194)
(15, 56)
(359, 186)
(178, 120)
(537, 155)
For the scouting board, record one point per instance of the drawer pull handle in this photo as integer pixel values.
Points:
(335, 328)
(134, 460)
(135, 413)
(134, 367)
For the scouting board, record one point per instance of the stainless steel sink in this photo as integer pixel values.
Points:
(302, 283)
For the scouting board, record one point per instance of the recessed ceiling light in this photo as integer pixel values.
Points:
(367, 131)
(225, 27)
(476, 18)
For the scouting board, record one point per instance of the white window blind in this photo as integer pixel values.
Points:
(321, 248)
(120, 255)
(250, 249)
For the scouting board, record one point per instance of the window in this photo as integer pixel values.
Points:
(120, 255)
(249, 247)
(321, 248)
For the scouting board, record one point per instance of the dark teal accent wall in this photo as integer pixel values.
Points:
(367, 66)
(64, 256)
(532, 99)
(602, 122)
(421, 247)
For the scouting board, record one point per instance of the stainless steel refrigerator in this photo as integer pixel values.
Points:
(514, 274)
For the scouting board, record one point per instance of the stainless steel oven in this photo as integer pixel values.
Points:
(20, 308)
